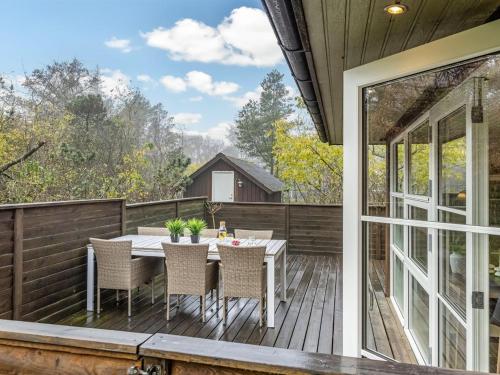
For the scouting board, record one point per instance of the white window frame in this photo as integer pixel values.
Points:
(469, 44)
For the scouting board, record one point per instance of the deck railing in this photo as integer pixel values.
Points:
(34, 348)
(43, 245)
(43, 252)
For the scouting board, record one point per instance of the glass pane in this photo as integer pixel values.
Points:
(452, 160)
(376, 184)
(419, 317)
(399, 166)
(398, 282)
(452, 260)
(418, 238)
(380, 317)
(418, 159)
(493, 244)
(398, 230)
(452, 340)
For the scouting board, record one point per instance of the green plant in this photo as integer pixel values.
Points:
(195, 226)
(176, 226)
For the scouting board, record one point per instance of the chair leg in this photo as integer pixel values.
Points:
(152, 290)
(178, 301)
(117, 296)
(165, 281)
(130, 303)
(260, 311)
(224, 310)
(98, 300)
(217, 296)
(203, 300)
(168, 307)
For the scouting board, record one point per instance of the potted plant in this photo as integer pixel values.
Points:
(195, 226)
(457, 257)
(176, 228)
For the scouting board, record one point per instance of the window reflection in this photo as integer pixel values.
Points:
(452, 160)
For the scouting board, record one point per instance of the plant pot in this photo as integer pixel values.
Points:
(195, 238)
(174, 237)
(457, 263)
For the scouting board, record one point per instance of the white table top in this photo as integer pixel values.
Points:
(151, 245)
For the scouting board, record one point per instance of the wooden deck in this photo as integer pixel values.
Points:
(310, 320)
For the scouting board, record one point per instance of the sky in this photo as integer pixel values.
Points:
(203, 59)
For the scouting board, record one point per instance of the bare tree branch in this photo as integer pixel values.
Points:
(9, 165)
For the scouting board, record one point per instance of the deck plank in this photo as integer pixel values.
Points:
(310, 319)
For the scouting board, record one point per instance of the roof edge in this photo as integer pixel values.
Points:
(289, 25)
(221, 156)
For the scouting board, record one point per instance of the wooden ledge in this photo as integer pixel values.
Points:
(270, 360)
(76, 337)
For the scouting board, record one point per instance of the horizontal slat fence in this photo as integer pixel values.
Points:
(154, 214)
(43, 254)
(307, 228)
(6, 261)
(43, 245)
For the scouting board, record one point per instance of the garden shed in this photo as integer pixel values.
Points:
(228, 179)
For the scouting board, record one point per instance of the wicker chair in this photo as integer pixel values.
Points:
(188, 272)
(243, 274)
(117, 270)
(209, 233)
(153, 231)
(258, 234)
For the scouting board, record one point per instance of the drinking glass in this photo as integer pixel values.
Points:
(251, 240)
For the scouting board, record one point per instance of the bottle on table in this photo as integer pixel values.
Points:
(222, 233)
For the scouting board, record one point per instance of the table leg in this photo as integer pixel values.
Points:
(90, 278)
(270, 293)
(283, 275)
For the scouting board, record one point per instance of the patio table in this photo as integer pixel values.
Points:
(150, 246)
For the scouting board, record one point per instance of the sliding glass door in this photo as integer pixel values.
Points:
(441, 132)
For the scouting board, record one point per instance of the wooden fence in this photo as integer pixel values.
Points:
(43, 245)
(43, 252)
(307, 228)
(154, 214)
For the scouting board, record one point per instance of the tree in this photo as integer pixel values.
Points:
(94, 145)
(255, 130)
(310, 169)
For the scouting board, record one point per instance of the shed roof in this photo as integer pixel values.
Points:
(257, 174)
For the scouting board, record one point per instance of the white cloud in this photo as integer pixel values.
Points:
(175, 84)
(187, 118)
(120, 44)
(243, 38)
(201, 82)
(144, 78)
(198, 98)
(240, 101)
(114, 82)
(219, 132)
(204, 83)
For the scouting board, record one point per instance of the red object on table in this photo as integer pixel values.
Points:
(235, 242)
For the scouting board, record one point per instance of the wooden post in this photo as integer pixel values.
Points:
(287, 224)
(124, 217)
(17, 287)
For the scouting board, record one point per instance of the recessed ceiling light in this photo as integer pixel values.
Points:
(396, 8)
